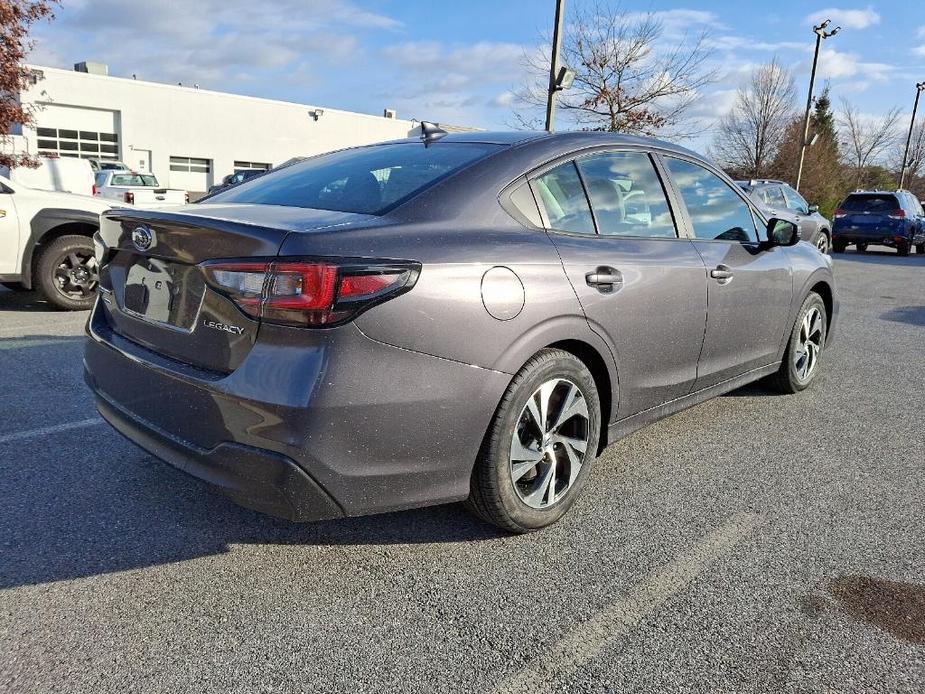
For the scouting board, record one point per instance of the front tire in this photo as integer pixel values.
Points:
(67, 273)
(805, 347)
(822, 243)
(538, 450)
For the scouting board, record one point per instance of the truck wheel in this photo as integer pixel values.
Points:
(67, 273)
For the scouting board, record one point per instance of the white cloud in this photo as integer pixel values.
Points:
(919, 51)
(847, 19)
(921, 32)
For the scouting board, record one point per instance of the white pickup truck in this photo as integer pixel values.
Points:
(138, 189)
(46, 243)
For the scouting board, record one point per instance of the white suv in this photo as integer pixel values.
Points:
(46, 243)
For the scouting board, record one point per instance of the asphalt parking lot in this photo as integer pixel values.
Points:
(756, 543)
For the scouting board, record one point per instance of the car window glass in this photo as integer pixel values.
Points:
(776, 197)
(795, 201)
(141, 180)
(626, 195)
(563, 198)
(368, 180)
(880, 204)
(101, 179)
(716, 211)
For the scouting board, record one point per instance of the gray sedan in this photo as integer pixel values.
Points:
(463, 317)
(780, 200)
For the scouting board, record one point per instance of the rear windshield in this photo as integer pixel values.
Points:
(367, 180)
(870, 203)
(143, 180)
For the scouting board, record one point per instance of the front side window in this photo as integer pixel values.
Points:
(563, 197)
(626, 195)
(716, 211)
(795, 201)
(365, 180)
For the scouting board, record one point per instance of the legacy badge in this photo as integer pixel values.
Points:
(215, 325)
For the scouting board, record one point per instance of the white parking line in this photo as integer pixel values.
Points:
(585, 641)
(18, 435)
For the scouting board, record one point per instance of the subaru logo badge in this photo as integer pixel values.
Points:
(142, 238)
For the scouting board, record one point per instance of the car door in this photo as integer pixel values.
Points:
(749, 287)
(806, 220)
(641, 286)
(9, 233)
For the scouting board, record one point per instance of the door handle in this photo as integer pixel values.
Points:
(604, 279)
(722, 273)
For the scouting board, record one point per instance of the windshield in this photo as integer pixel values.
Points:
(143, 180)
(367, 180)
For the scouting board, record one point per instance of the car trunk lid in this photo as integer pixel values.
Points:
(154, 288)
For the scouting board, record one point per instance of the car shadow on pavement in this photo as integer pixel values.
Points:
(24, 301)
(913, 315)
(884, 257)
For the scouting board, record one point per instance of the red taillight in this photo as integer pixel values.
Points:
(129, 197)
(898, 214)
(94, 189)
(839, 213)
(309, 293)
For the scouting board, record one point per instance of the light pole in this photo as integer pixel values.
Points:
(554, 66)
(821, 34)
(902, 174)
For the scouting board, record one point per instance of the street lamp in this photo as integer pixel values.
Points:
(902, 174)
(557, 77)
(821, 33)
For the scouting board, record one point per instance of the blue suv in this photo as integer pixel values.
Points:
(893, 219)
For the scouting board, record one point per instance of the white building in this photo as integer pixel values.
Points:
(189, 137)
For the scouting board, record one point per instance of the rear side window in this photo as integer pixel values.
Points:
(870, 202)
(795, 201)
(367, 180)
(716, 210)
(626, 195)
(774, 197)
(563, 197)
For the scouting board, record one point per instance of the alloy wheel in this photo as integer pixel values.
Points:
(549, 443)
(809, 344)
(822, 243)
(77, 274)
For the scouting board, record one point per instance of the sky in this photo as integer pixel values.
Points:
(462, 62)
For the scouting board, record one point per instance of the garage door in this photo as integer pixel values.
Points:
(190, 173)
(73, 131)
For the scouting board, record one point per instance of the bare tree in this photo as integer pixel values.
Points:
(16, 17)
(915, 164)
(749, 136)
(627, 78)
(866, 139)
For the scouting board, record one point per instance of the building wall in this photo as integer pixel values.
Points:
(154, 122)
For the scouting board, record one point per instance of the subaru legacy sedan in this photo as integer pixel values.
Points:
(463, 317)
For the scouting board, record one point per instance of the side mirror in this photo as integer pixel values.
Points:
(782, 233)
(813, 209)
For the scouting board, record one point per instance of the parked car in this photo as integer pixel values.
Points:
(46, 243)
(236, 178)
(471, 317)
(780, 200)
(138, 189)
(107, 165)
(886, 218)
(61, 174)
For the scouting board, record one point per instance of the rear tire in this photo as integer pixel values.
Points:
(805, 347)
(861, 247)
(67, 273)
(529, 473)
(920, 248)
(903, 248)
(839, 246)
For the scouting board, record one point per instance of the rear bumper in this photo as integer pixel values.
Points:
(879, 236)
(312, 424)
(255, 478)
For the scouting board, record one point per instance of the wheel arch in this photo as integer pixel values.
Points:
(50, 224)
